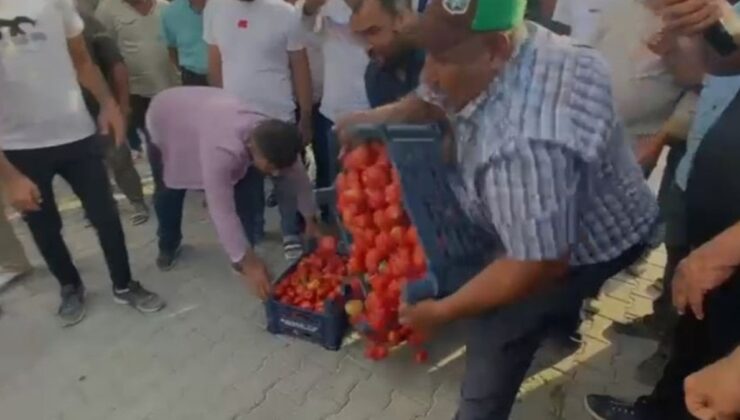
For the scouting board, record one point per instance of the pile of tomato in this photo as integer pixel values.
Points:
(316, 279)
(385, 246)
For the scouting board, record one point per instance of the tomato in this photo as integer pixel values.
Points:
(393, 193)
(421, 356)
(375, 198)
(327, 245)
(372, 260)
(394, 212)
(341, 181)
(394, 338)
(411, 237)
(358, 158)
(373, 302)
(397, 234)
(353, 180)
(378, 320)
(381, 220)
(419, 260)
(319, 307)
(400, 262)
(363, 221)
(369, 236)
(384, 243)
(353, 196)
(380, 352)
(375, 177)
(304, 304)
(383, 160)
(355, 265)
(417, 339)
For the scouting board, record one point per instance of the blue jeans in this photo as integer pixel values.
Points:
(249, 197)
(502, 343)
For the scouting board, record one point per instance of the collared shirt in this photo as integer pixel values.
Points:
(543, 162)
(390, 82)
(182, 29)
(139, 40)
(202, 133)
(717, 94)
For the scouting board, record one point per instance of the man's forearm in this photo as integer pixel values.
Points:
(215, 76)
(88, 73)
(503, 282)
(7, 170)
(410, 109)
(302, 82)
(725, 247)
(119, 76)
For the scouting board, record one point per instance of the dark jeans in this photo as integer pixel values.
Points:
(81, 165)
(249, 198)
(502, 343)
(324, 149)
(139, 108)
(191, 78)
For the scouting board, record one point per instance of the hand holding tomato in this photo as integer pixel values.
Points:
(424, 316)
(254, 271)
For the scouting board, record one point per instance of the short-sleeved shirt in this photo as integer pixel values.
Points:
(387, 83)
(255, 39)
(543, 161)
(182, 29)
(139, 40)
(41, 103)
(202, 134)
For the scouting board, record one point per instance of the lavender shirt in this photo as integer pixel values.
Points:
(201, 133)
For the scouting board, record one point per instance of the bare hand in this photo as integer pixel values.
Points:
(663, 43)
(690, 17)
(697, 275)
(424, 316)
(22, 194)
(111, 122)
(256, 275)
(714, 392)
(649, 149)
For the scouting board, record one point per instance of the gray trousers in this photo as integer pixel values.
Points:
(121, 166)
(12, 255)
(501, 344)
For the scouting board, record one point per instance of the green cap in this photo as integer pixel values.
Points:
(499, 15)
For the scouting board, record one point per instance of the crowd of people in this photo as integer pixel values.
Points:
(552, 125)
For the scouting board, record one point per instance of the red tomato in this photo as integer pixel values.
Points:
(341, 182)
(369, 235)
(397, 234)
(358, 158)
(355, 265)
(412, 237)
(327, 245)
(419, 259)
(421, 356)
(379, 282)
(394, 212)
(353, 196)
(375, 177)
(400, 262)
(417, 339)
(381, 220)
(384, 243)
(363, 220)
(383, 160)
(378, 320)
(373, 302)
(319, 307)
(374, 198)
(372, 260)
(393, 193)
(380, 352)
(353, 180)
(304, 304)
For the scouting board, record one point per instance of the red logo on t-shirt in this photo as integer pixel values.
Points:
(243, 24)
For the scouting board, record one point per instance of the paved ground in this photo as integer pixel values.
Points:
(207, 356)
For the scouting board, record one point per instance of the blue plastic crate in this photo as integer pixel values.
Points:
(456, 249)
(326, 329)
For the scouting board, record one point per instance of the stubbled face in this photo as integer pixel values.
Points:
(462, 73)
(380, 29)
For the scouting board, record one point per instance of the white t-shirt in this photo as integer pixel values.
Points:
(254, 39)
(345, 60)
(582, 16)
(41, 103)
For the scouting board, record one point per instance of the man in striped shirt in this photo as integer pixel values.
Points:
(545, 166)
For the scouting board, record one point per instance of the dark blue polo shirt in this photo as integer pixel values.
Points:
(389, 83)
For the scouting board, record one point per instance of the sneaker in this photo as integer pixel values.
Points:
(604, 407)
(140, 215)
(166, 260)
(139, 298)
(72, 309)
(293, 248)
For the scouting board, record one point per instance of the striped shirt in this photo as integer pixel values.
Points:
(543, 159)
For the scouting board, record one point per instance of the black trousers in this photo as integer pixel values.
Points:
(191, 78)
(139, 108)
(81, 165)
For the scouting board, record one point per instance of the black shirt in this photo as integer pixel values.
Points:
(388, 83)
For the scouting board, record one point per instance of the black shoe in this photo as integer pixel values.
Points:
(166, 260)
(139, 298)
(604, 407)
(72, 309)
